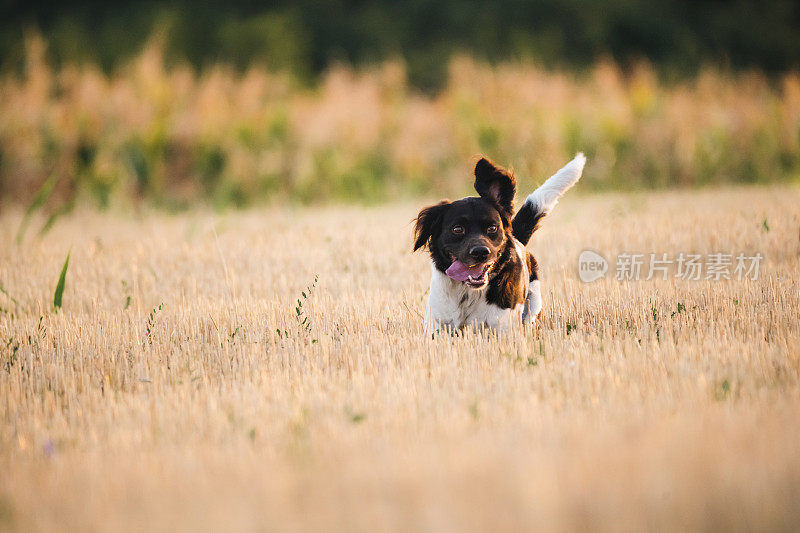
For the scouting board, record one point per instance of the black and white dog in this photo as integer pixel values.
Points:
(481, 273)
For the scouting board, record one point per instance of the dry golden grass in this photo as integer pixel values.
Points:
(364, 424)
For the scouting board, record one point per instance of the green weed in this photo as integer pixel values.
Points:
(39, 199)
(62, 278)
(151, 322)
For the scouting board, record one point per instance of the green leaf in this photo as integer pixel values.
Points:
(41, 197)
(66, 208)
(3, 290)
(57, 296)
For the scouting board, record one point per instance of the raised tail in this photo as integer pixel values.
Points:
(544, 199)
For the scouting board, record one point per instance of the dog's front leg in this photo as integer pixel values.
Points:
(533, 303)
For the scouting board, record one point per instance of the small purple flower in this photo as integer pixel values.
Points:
(49, 448)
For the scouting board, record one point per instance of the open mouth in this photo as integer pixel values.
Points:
(475, 276)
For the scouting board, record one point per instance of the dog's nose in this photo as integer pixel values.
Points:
(479, 253)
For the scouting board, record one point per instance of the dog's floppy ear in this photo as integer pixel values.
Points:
(495, 184)
(428, 223)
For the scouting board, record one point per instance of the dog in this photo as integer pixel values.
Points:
(481, 273)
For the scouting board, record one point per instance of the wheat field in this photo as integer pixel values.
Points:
(197, 378)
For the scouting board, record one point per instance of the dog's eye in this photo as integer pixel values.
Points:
(491, 229)
(458, 230)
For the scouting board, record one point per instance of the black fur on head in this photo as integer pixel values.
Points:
(496, 185)
(474, 231)
(478, 231)
(428, 223)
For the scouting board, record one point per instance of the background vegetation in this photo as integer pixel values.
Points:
(238, 103)
(305, 36)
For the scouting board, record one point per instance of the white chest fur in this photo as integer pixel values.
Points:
(453, 305)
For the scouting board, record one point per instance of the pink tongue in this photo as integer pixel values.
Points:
(460, 272)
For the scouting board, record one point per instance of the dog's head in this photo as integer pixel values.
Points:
(466, 238)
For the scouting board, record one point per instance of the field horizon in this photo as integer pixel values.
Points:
(266, 369)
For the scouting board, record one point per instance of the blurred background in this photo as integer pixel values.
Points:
(236, 103)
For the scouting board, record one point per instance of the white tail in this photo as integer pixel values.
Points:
(546, 197)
